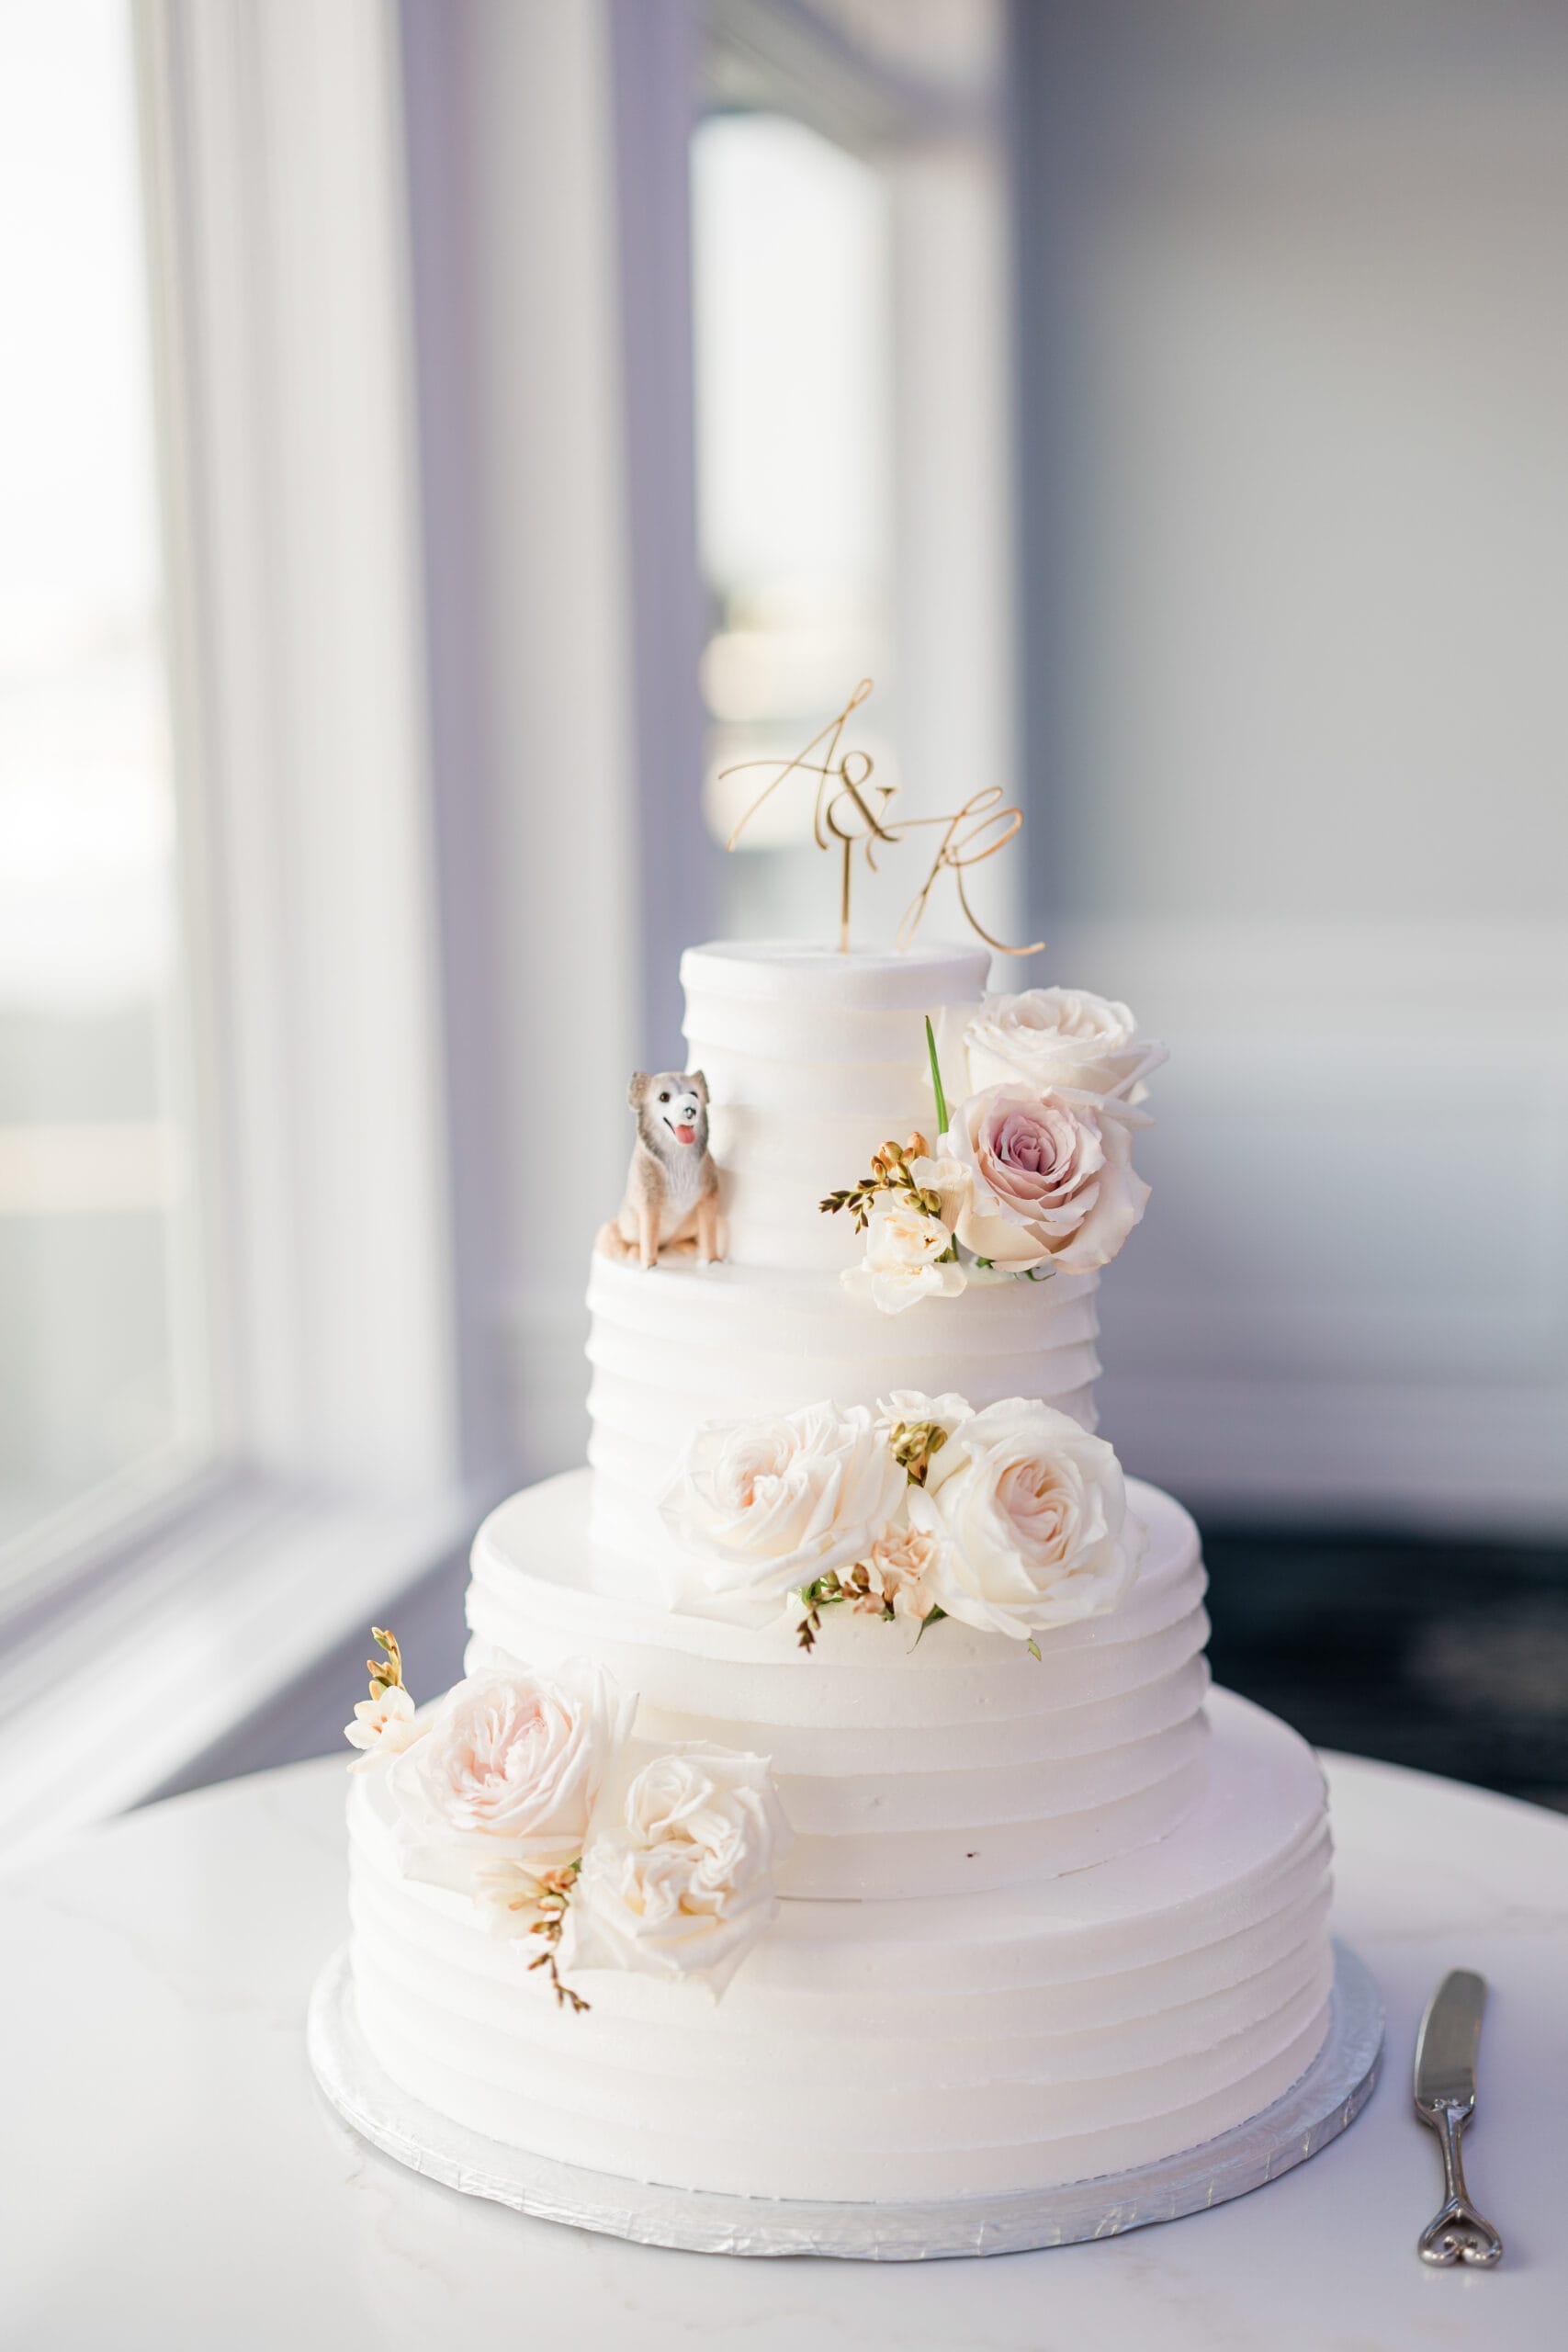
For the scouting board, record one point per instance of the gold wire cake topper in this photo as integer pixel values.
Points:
(853, 812)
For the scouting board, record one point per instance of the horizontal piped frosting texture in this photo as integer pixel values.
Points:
(940, 2048)
(813, 1059)
(937, 1767)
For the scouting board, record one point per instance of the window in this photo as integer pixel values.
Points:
(402, 603)
(791, 297)
(100, 1318)
(232, 1425)
(853, 369)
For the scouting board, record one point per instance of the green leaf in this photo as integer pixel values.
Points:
(936, 1079)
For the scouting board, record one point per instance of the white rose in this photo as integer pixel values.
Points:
(763, 1507)
(1059, 1037)
(1029, 1517)
(382, 1727)
(505, 1777)
(1039, 1180)
(903, 1250)
(682, 1885)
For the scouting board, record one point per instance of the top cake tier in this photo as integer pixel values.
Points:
(813, 1058)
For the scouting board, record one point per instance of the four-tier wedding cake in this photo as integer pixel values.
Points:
(835, 1806)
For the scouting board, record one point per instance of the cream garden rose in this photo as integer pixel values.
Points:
(681, 1884)
(1031, 1181)
(504, 1780)
(1028, 1518)
(905, 1259)
(1047, 1039)
(760, 1508)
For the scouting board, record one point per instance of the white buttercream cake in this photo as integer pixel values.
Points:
(835, 1805)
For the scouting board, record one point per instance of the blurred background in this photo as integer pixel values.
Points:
(435, 439)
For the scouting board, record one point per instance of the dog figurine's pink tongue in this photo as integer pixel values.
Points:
(686, 1134)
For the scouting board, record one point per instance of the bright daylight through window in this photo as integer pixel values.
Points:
(791, 293)
(98, 1311)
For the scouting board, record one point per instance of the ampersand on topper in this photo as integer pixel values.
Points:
(853, 813)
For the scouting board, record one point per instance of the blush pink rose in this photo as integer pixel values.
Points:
(1041, 1179)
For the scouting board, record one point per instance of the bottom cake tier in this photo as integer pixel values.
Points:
(949, 2046)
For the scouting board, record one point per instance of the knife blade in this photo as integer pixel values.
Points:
(1449, 2039)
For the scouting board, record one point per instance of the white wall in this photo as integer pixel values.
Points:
(1296, 408)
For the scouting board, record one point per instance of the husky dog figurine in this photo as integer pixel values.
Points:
(672, 1199)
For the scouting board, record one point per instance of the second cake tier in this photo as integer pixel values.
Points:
(680, 1345)
(940, 1766)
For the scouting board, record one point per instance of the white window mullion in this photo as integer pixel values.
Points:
(305, 598)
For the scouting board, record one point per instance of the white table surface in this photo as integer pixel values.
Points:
(171, 2178)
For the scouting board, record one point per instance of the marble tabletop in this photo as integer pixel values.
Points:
(170, 2177)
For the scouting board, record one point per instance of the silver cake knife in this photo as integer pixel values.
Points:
(1445, 2097)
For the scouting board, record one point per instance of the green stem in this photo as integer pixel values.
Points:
(936, 1079)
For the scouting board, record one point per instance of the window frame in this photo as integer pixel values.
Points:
(351, 1455)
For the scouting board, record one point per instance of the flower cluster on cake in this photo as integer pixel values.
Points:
(1012, 1519)
(514, 1791)
(1031, 1171)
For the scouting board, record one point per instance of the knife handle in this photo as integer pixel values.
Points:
(1458, 2234)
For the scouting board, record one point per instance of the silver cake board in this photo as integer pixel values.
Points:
(1328, 2097)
